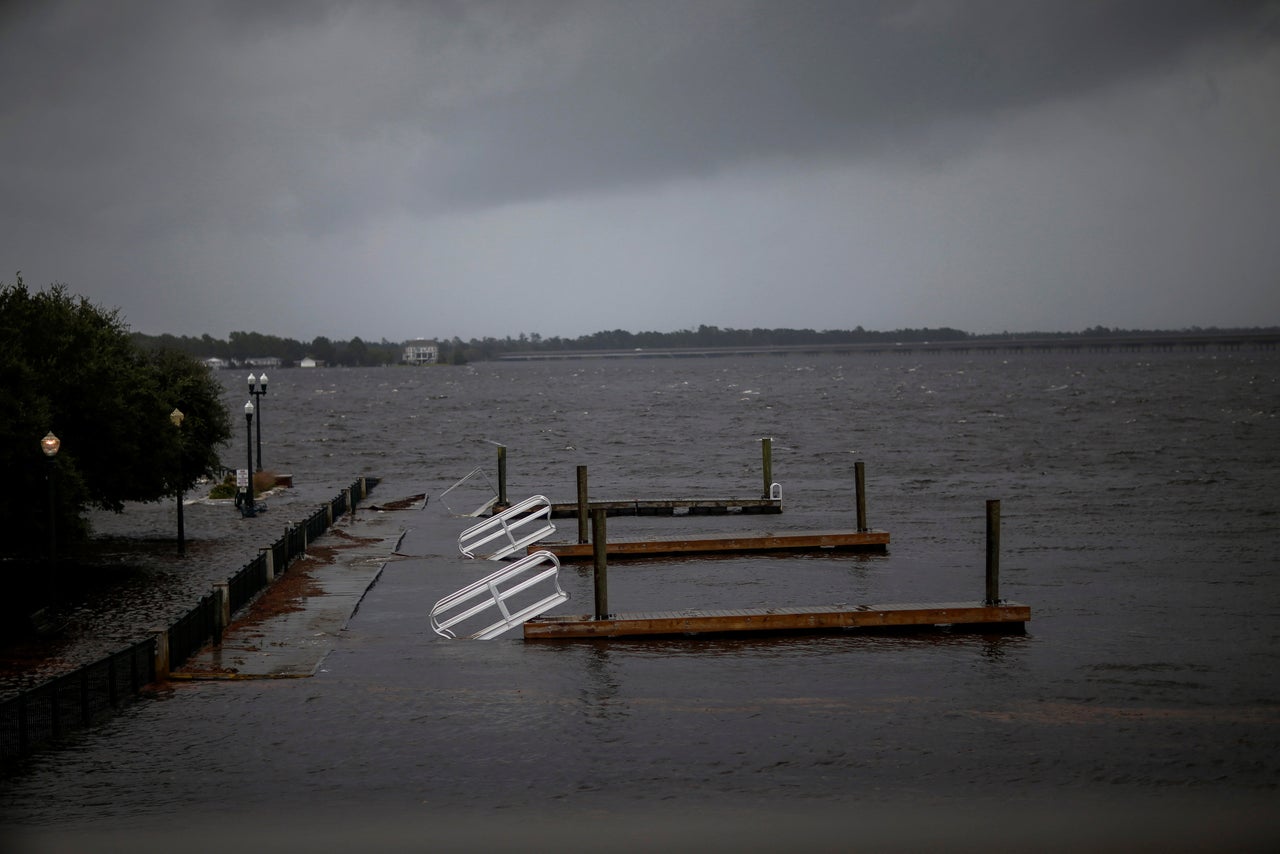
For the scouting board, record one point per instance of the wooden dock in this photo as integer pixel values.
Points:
(674, 507)
(675, 546)
(1005, 616)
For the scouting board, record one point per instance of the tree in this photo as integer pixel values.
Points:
(71, 368)
(322, 349)
(357, 353)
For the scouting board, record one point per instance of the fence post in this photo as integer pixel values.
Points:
(269, 561)
(24, 732)
(161, 653)
(221, 610)
(364, 488)
(86, 716)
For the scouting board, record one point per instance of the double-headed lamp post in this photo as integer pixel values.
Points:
(258, 391)
(176, 417)
(249, 509)
(50, 445)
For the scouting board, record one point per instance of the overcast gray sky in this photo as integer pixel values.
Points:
(565, 166)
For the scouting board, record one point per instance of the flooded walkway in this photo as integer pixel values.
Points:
(293, 625)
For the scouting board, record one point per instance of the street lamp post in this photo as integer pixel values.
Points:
(176, 417)
(50, 445)
(258, 391)
(249, 509)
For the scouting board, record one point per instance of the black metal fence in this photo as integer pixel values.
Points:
(81, 698)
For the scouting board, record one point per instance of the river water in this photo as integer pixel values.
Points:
(1141, 523)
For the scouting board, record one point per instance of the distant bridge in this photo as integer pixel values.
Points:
(1141, 342)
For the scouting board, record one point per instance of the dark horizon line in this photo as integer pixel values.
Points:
(962, 335)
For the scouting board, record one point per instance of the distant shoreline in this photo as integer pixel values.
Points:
(998, 344)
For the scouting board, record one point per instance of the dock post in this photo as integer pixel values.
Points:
(993, 552)
(502, 479)
(582, 504)
(860, 487)
(269, 562)
(601, 568)
(766, 453)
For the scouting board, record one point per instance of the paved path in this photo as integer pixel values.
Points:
(292, 626)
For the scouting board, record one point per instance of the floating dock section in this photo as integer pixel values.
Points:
(681, 546)
(769, 501)
(992, 614)
(957, 615)
(861, 539)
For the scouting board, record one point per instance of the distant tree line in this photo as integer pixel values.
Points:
(241, 346)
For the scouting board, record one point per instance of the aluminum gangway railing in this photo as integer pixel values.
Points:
(495, 591)
(509, 531)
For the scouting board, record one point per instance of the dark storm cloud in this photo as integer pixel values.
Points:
(321, 112)
(178, 158)
(809, 79)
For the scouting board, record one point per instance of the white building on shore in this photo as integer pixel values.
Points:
(420, 352)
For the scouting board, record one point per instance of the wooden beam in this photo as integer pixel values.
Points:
(804, 619)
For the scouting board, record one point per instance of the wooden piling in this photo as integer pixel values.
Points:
(860, 487)
(993, 552)
(598, 539)
(766, 453)
(502, 479)
(582, 504)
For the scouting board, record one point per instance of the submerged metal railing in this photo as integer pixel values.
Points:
(505, 533)
(497, 591)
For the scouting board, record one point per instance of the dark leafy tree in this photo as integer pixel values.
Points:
(71, 368)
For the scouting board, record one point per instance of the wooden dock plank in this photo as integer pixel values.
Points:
(804, 619)
(665, 546)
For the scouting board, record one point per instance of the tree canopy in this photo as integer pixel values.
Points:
(71, 368)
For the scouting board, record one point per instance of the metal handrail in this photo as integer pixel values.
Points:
(509, 525)
(483, 508)
(490, 592)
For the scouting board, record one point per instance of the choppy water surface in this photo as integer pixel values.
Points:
(1140, 500)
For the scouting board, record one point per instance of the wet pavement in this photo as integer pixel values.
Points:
(139, 582)
(293, 625)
